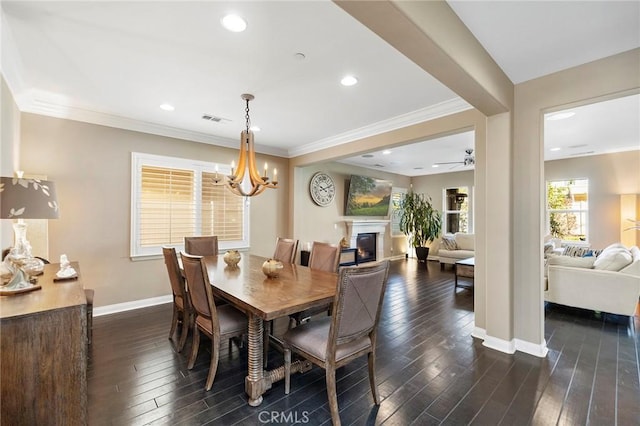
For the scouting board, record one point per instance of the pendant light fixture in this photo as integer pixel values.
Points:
(247, 164)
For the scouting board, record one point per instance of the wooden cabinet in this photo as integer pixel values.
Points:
(43, 354)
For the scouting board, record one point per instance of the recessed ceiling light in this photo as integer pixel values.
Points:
(386, 152)
(435, 166)
(234, 23)
(557, 148)
(254, 128)
(167, 107)
(561, 115)
(300, 56)
(348, 80)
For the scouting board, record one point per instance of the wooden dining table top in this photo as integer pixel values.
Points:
(295, 289)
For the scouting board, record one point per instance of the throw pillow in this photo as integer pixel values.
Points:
(449, 243)
(576, 251)
(613, 259)
(548, 248)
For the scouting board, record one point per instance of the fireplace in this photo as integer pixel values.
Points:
(366, 247)
(368, 226)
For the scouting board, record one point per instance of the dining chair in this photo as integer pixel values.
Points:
(217, 322)
(348, 334)
(182, 311)
(324, 257)
(201, 246)
(286, 250)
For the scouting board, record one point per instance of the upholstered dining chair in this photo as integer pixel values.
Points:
(325, 257)
(348, 334)
(182, 311)
(217, 322)
(286, 250)
(201, 246)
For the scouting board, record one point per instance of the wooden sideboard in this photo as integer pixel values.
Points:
(43, 353)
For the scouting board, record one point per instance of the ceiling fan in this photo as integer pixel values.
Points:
(468, 160)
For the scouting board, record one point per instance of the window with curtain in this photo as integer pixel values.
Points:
(568, 209)
(173, 198)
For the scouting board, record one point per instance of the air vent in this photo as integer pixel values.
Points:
(214, 118)
(378, 165)
(582, 145)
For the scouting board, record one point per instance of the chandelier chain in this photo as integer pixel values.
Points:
(246, 117)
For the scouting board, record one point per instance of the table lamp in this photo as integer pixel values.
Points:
(21, 199)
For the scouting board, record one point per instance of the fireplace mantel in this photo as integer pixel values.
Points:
(364, 226)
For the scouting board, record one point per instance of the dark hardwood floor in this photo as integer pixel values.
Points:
(429, 370)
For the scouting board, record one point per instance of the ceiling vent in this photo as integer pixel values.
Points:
(214, 118)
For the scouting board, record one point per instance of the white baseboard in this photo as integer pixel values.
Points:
(506, 346)
(532, 349)
(479, 333)
(511, 346)
(129, 306)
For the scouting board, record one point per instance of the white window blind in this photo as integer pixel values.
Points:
(172, 198)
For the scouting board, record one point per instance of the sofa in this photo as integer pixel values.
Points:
(456, 247)
(609, 282)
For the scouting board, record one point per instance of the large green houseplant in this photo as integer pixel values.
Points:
(420, 221)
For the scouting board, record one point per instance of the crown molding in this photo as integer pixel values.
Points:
(28, 102)
(429, 113)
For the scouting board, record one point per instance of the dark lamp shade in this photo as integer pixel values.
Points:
(27, 199)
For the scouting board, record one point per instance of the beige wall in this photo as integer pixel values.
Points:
(603, 79)
(609, 176)
(327, 224)
(9, 150)
(91, 166)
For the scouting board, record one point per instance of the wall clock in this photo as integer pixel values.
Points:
(322, 189)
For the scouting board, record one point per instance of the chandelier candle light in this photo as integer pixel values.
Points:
(247, 160)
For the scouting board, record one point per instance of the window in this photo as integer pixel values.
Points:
(172, 198)
(568, 208)
(397, 195)
(456, 210)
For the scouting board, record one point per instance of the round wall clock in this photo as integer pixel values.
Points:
(322, 189)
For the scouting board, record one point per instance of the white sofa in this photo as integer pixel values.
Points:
(607, 283)
(463, 248)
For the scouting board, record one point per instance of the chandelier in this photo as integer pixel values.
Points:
(247, 163)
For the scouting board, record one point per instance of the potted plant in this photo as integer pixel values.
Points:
(420, 221)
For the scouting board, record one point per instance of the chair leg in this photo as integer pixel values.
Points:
(213, 366)
(194, 346)
(332, 395)
(186, 324)
(174, 321)
(371, 358)
(287, 370)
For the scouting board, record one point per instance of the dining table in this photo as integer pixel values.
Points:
(262, 298)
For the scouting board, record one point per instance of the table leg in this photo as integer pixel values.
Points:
(258, 381)
(254, 383)
(455, 273)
